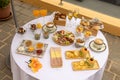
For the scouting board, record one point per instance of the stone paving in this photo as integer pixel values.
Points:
(23, 11)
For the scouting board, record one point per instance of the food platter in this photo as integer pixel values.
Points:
(63, 38)
(77, 54)
(31, 48)
(83, 65)
(91, 45)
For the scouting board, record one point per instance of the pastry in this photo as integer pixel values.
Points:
(21, 30)
(83, 52)
(30, 49)
(79, 29)
(33, 27)
(87, 34)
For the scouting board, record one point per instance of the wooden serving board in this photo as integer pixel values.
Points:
(77, 67)
(75, 55)
(55, 57)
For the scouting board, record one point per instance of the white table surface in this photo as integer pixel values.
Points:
(21, 71)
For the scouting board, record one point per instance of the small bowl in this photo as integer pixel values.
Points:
(79, 43)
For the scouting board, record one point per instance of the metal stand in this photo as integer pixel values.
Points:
(14, 14)
(16, 25)
(61, 2)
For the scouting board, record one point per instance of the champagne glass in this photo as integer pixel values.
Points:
(75, 15)
(69, 16)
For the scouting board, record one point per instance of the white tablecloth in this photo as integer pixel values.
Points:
(21, 71)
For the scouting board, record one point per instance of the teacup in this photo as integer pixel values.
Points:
(98, 43)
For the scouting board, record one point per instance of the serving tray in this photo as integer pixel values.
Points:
(76, 66)
(22, 49)
(75, 54)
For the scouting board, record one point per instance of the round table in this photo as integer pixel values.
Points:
(21, 71)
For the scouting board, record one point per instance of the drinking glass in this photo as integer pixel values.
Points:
(43, 13)
(36, 13)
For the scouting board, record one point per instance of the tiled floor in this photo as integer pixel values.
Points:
(7, 31)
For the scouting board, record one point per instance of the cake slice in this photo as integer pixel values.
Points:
(55, 57)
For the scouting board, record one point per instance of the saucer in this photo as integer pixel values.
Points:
(95, 49)
(50, 30)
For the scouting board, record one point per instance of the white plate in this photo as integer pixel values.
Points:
(95, 49)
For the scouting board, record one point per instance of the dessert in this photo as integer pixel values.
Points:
(38, 25)
(33, 27)
(39, 51)
(60, 16)
(84, 22)
(79, 43)
(28, 43)
(63, 37)
(79, 29)
(21, 49)
(21, 30)
(59, 19)
(39, 45)
(95, 22)
(55, 57)
(83, 52)
(87, 34)
(30, 49)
